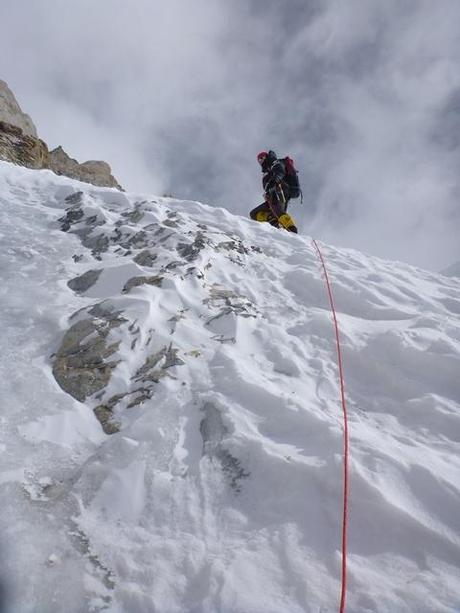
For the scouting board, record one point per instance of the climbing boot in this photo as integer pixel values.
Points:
(287, 222)
(262, 216)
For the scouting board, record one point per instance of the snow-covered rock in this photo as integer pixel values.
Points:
(201, 470)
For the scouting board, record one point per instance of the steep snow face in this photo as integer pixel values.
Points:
(171, 421)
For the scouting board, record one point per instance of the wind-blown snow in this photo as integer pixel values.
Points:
(222, 489)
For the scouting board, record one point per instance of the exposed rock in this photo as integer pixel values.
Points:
(238, 247)
(10, 112)
(229, 302)
(136, 215)
(233, 245)
(82, 283)
(145, 258)
(213, 431)
(171, 223)
(137, 281)
(143, 394)
(192, 251)
(98, 244)
(149, 372)
(138, 240)
(144, 373)
(105, 412)
(72, 216)
(80, 366)
(74, 198)
(18, 148)
(20, 145)
(19, 142)
(102, 310)
(176, 318)
(95, 172)
(105, 417)
(171, 358)
(75, 216)
(171, 265)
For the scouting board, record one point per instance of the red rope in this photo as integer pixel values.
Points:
(345, 436)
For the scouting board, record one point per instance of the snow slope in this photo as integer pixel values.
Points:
(221, 488)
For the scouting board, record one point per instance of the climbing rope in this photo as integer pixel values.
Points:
(345, 435)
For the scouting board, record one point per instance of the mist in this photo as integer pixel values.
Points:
(179, 97)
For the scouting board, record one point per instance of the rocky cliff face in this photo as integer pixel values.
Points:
(20, 145)
(10, 112)
(22, 149)
(93, 171)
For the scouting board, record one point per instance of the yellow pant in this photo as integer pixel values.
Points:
(285, 220)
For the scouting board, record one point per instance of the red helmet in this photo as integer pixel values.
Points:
(261, 157)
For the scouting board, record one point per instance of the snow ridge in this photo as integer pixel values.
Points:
(172, 412)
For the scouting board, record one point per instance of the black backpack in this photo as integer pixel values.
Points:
(292, 178)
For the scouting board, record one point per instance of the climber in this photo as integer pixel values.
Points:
(276, 184)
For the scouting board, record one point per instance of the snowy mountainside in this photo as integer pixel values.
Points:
(171, 420)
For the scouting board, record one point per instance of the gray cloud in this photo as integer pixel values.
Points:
(180, 96)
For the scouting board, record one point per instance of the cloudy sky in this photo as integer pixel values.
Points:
(179, 97)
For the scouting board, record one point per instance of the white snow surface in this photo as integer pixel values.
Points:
(222, 492)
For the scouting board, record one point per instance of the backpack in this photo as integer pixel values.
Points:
(292, 178)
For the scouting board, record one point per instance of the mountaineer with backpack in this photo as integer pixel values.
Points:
(280, 183)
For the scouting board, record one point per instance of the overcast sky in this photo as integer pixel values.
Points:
(179, 97)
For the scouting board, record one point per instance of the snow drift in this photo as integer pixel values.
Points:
(171, 421)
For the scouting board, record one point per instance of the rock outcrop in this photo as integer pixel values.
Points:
(114, 356)
(81, 366)
(93, 171)
(20, 145)
(10, 112)
(22, 149)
